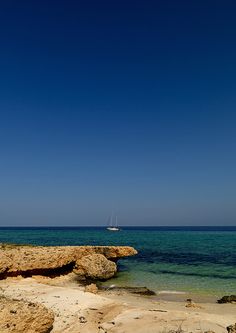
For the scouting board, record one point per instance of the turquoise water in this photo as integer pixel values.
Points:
(197, 260)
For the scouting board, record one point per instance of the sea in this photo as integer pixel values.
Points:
(170, 260)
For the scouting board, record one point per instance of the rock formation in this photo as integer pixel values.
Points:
(4, 261)
(95, 266)
(95, 262)
(24, 317)
(231, 328)
(91, 288)
(227, 299)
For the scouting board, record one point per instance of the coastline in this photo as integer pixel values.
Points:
(199, 260)
(37, 276)
(31, 259)
(165, 295)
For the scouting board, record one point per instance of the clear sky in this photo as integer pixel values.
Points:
(117, 105)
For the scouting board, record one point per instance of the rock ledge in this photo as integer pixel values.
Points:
(95, 262)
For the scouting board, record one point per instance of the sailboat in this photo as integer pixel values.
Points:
(113, 226)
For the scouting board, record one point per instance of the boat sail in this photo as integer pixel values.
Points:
(113, 226)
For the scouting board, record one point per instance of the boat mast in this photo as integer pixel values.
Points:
(111, 220)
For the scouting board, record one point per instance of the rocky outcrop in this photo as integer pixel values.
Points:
(56, 260)
(227, 299)
(231, 328)
(95, 266)
(4, 263)
(91, 288)
(24, 317)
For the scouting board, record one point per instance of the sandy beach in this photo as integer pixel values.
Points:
(78, 311)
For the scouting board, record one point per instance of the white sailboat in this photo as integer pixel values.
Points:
(113, 226)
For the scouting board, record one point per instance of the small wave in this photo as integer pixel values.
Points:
(171, 292)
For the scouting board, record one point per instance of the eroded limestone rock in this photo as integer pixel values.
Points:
(91, 288)
(227, 299)
(24, 317)
(56, 260)
(95, 266)
(231, 328)
(4, 263)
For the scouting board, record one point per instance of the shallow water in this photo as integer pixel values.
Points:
(192, 260)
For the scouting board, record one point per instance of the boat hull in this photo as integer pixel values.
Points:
(113, 229)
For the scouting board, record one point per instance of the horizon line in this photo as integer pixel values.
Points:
(122, 226)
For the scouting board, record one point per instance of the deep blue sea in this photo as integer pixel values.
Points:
(186, 259)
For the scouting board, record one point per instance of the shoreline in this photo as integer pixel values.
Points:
(167, 295)
(164, 295)
(29, 251)
(56, 281)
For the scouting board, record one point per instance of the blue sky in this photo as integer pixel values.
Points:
(117, 106)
